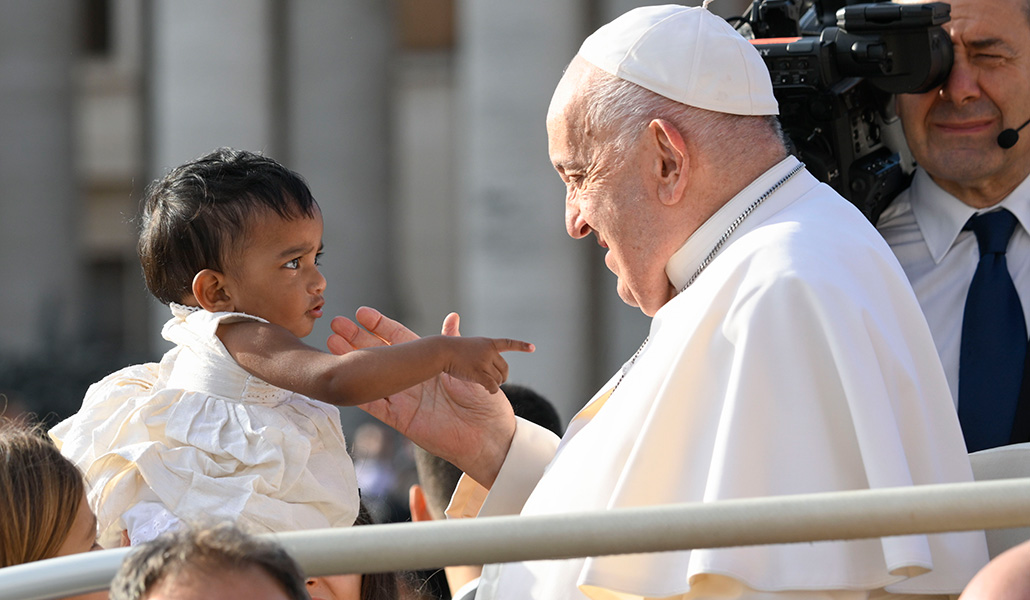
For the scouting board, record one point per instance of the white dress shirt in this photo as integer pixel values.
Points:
(924, 229)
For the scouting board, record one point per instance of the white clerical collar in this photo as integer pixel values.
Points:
(685, 261)
(941, 216)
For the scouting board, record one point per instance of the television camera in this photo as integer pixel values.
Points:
(835, 67)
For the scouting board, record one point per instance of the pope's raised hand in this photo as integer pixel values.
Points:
(456, 420)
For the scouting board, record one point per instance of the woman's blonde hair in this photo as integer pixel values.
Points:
(40, 492)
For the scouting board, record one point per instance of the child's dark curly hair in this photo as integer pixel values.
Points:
(198, 213)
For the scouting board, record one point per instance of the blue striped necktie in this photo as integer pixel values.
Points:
(994, 339)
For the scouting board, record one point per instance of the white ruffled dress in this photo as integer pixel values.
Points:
(197, 438)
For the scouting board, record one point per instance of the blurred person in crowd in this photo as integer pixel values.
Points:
(375, 467)
(437, 479)
(197, 563)
(43, 507)
(369, 586)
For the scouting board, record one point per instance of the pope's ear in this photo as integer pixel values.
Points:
(672, 160)
(210, 291)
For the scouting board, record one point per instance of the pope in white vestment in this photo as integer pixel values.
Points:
(787, 353)
(798, 362)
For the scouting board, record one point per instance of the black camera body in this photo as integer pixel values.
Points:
(835, 76)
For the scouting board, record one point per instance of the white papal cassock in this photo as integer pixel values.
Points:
(798, 362)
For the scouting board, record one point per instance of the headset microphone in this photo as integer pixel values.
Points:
(1009, 137)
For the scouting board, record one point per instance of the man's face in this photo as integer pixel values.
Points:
(607, 194)
(953, 130)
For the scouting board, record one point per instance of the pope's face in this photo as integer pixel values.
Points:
(608, 194)
(953, 129)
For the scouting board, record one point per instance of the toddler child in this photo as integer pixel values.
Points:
(233, 423)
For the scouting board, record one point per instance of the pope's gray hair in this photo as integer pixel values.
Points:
(624, 109)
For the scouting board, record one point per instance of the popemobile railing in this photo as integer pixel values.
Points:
(996, 504)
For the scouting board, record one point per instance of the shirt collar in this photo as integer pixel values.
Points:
(941, 216)
(685, 261)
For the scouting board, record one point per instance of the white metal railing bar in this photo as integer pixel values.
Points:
(783, 519)
(60, 577)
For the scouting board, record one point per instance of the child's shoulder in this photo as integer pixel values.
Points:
(141, 377)
(104, 399)
(191, 325)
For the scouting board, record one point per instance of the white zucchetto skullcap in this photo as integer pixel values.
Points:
(686, 54)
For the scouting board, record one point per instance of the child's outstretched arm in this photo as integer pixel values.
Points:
(275, 355)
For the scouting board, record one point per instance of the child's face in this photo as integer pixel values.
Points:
(276, 275)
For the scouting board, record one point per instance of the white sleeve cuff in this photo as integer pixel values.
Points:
(532, 449)
(147, 520)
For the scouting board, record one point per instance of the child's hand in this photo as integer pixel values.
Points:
(478, 359)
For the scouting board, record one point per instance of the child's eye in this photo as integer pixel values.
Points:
(318, 259)
(293, 264)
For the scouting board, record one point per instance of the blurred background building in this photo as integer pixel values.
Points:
(419, 125)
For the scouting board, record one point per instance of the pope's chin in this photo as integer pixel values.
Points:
(626, 295)
(648, 299)
(632, 299)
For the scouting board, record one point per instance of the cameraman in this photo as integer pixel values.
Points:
(966, 169)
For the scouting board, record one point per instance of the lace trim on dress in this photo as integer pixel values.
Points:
(181, 311)
(147, 520)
